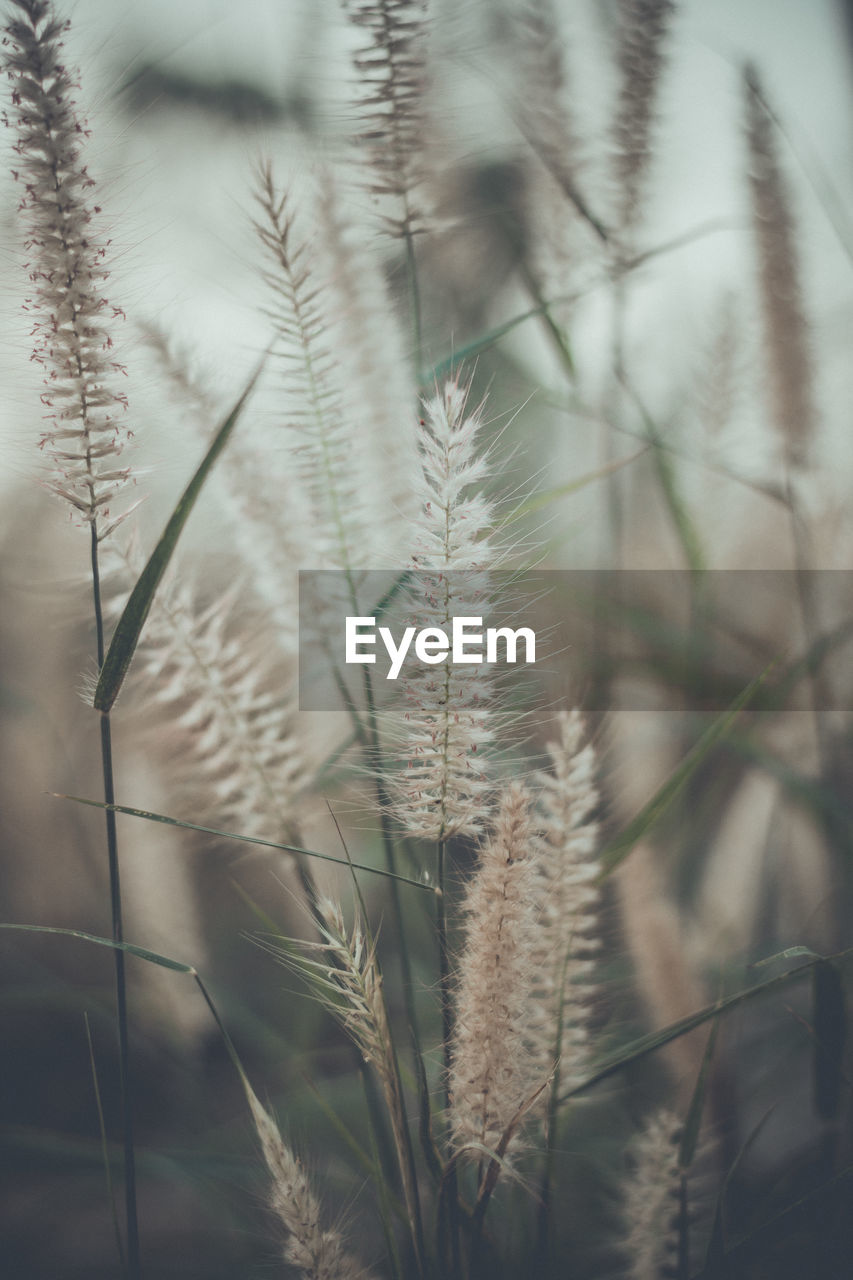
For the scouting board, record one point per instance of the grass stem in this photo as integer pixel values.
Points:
(132, 1224)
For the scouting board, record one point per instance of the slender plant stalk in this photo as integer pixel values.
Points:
(415, 302)
(134, 1266)
(73, 341)
(451, 1197)
(543, 1219)
(104, 1152)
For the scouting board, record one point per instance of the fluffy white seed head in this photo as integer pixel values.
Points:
(492, 1077)
(73, 322)
(322, 441)
(651, 1198)
(379, 393)
(448, 708)
(317, 1253)
(231, 709)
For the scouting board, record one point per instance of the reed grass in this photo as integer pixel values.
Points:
(500, 1074)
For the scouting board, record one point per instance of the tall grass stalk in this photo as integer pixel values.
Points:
(73, 341)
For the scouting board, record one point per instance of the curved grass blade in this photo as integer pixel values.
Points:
(710, 227)
(105, 1155)
(693, 1123)
(655, 1040)
(445, 367)
(127, 633)
(800, 1215)
(618, 849)
(790, 953)
(540, 500)
(233, 835)
(684, 527)
(153, 957)
(718, 1243)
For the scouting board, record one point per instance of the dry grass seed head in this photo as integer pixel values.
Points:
(449, 716)
(642, 29)
(786, 342)
(73, 322)
(492, 1076)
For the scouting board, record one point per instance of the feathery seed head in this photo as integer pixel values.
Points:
(378, 385)
(786, 341)
(72, 317)
(546, 121)
(343, 972)
(318, 1254)
(324, 439)
(239, 745)
(651, 1198)
(567, 866)
(354, 976)
(449, 717)
(392, 70)
(492, 1078)
(643, 26)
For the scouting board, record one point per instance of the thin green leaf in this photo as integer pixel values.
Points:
(802, 1213)
(382, 605)
(263, 917)
(655, 1040)
(618, 849)
(105, 1155)
(464, 354)
(431, 1154)
(717, 1244)
(367, 1165)
(687, 534)
(153, 957)
(810, 663)
(790, 953)
(129, 629)
(693, 1123)
(475, 348)
(233, 835)
(540, 500)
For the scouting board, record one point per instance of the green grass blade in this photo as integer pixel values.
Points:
(153, 957)
(684, 527)
(446, 366)
(540, 500)
(233, 835)
(790, 953)
(364, 1161)
(618, 849)
(105, 1154)
(716, 1250)
(655, 1040)
(129, 629)
(693, 1123)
